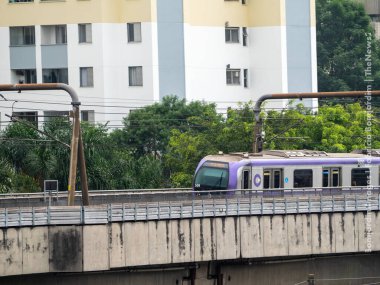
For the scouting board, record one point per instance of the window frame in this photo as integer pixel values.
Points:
(59, 33)
(27, 74)
(270, 174)
(231, 79)
(366, 179)
(131, 32)
(29, 116)
(89, 79)
(245, 77)
(82, 30)
(304, 185)
(244, 35)
(24, 36)
(58, 79)
(130, 79)
(229, 37)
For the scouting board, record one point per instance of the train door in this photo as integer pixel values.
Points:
(273, 178)
(246, 181)
(331, 177)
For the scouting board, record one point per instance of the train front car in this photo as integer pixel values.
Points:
(211, 175)
(283, 172)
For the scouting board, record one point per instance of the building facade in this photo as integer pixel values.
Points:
(124, 54)
(372, 8)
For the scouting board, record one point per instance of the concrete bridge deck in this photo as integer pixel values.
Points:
(88, 248)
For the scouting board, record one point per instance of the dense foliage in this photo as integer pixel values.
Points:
(115, 161)
(344, 38)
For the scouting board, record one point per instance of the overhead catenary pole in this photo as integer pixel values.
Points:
(83, 172)
(76, 137)
(257, 132)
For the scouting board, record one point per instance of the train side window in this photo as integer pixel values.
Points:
(359, 176)
(303, 178)
(277, 179)
(331, 177)
(246, 178)
(326, 177)
(273, 178)
(335, 177)
(267, 179)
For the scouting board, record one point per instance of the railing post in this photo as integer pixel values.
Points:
(19, 217)
(250, 204)
(333, 204)
(286, 205)
(226, 207)
(33, 222)
(48, 215)
(123, 213)
(81, 214)
(6, 217)
(159, 211)
(109, 212)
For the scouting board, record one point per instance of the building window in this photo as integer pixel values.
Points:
(245, 36)
(135, 76)
(86, 77)
(24, 76)
(55, 75)
(31, 117)
(233, 76)
(53, 35)
(85, 33)
(245, 79)
(22, 36)
(232, 35)
(360, 176)
(303, 178)
(243, 2)
(51, 115)
(134, 32)
(88, 116)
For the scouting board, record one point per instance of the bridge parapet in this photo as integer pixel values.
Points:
(84, 248)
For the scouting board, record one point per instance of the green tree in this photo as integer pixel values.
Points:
(343, 28)
(147, 130)
(333, 129)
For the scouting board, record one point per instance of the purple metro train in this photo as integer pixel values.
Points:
(276, 170)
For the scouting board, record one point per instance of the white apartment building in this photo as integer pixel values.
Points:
(124, 54)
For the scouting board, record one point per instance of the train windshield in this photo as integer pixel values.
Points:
(212, 176)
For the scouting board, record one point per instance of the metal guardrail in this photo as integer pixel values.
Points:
(199, 207)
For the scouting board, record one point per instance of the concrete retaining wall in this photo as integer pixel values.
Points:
(103, 247)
